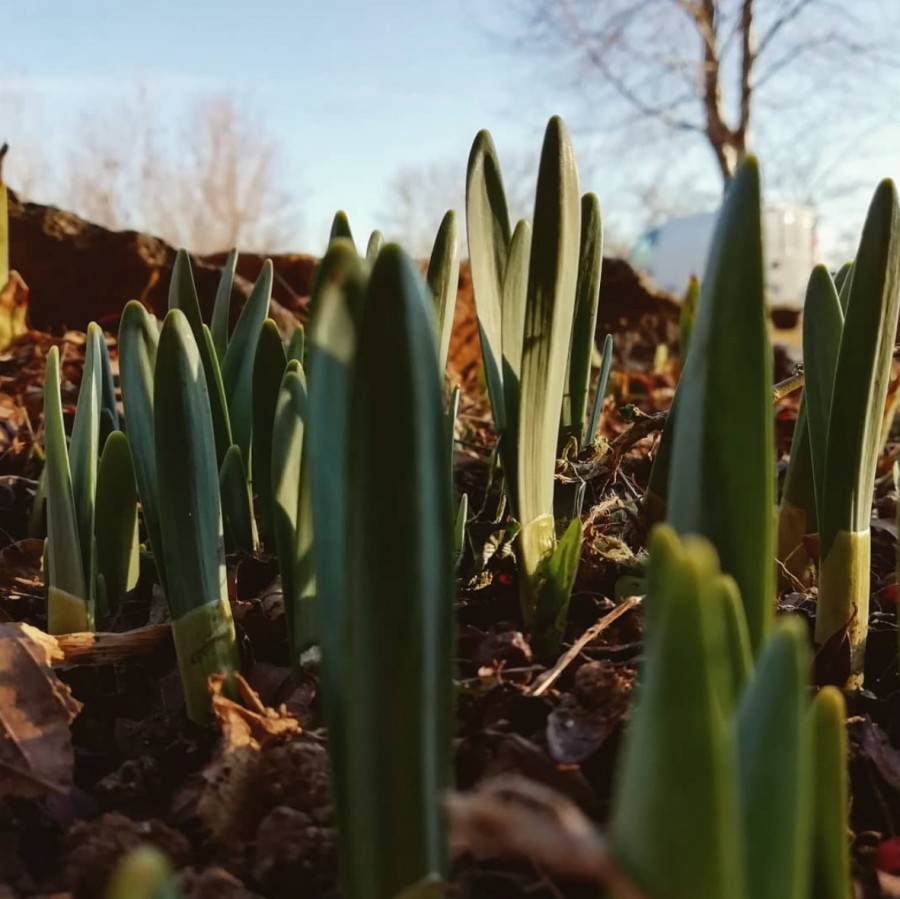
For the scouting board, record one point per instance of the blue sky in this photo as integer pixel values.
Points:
(354, 90)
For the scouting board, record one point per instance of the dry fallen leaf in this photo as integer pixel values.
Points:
(14, 307)
(36, 709)
(251, 724)
(512, 817)
(246, 730)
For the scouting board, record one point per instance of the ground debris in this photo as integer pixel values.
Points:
(515, 818)
(36, 754)
(264, 761)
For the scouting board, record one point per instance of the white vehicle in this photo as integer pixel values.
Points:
(677, 249)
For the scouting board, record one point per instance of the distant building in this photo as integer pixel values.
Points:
(671, 253)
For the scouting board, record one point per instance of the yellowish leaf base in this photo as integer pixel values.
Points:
(66, 613)
(844, 596)
(792, 527)
(205, 644)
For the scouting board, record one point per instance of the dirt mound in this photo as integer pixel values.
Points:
(79, 272)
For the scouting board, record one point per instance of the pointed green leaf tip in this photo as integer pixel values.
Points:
(337, 297)
(675, 826)
(606, 358)
(722, 477)
(590, 261)
(775, 786)
(237, 367)
(558, 576)
(290, 493)
(863, 369)
(84, 455)
(552, 278)
(183, 296)
(823, 323)
(138, 342)
(443, 280)
(514, 298)
(487, 223)
(67, 590)
(187, 473)
(373, 248)
(237, 501)
(190, 516)
(864, 363)
(116, 528)
(221, 317)
(396, 668)
(831, 796)
(340, 228)
(550, 307)
(268, 369)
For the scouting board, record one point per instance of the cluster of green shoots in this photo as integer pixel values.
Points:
(727, 751)
(849, 329)
(335, 453)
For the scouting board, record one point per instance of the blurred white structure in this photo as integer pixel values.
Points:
(671, 253)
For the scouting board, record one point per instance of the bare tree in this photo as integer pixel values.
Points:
(208, 175)
(711, 69)
(233, 181)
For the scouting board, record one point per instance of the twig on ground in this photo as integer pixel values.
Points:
(87, 648)
(543, 683)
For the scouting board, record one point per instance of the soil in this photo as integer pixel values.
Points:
(243, 809)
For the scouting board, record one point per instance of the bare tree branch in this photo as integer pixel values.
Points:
(595, 55)
(210, 182)
(749, 54)
(791, 13)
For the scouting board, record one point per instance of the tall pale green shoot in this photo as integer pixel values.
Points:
(487, 223)
(190, 515)
(550, 308)
(443, 280)
(116, 527)
(338, 293)
(220, 323)
(823, 322)
(138, 344)
(183, 296)
(84, 456)
(237, 366)
(590, 261)
(514, 300)
(676, 815)
(721, 481)
(854, 428)
(68, 607)
(397, 672)
(290, 509)
(268, 370)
